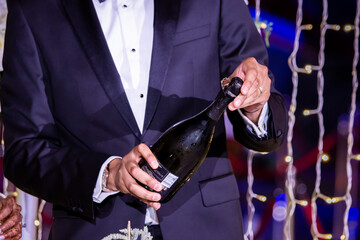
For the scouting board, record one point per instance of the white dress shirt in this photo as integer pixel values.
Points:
(128, 29)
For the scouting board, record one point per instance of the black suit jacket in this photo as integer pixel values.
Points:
(65, 111)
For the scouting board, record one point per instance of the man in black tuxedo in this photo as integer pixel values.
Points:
(89, 85)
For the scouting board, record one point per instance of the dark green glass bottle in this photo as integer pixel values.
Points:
(182, 148)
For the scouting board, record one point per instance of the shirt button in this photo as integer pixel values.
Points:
(141, 95)
(133, 50)
(125, 6)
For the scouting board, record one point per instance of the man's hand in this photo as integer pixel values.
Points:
(255, 91)
(123, 174)
(10, 219)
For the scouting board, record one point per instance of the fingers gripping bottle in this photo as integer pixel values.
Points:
(182, 148)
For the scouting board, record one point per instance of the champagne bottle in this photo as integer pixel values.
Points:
(182, 148)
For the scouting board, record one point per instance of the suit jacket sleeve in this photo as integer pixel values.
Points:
(37, 159)
(239, 39)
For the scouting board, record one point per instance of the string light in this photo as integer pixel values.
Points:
(306, 112)
(325, 158)
(291, 170)
(292, 107)
(303, 203)
(308, 68)
(308, 26)
(321, 156)
(350, 139)
(262, 24)
(348, 28)
(261, 198)
(40, 210)
(330, 200)
(263, 153)
(326, 236)
(37, 223)
(288, 159)
(249, 234)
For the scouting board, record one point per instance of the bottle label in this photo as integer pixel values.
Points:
(161, 174)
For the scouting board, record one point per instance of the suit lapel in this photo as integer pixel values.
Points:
(83, 18)
(166, 16)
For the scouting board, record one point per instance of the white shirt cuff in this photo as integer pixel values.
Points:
(98, 194)
(260, 129)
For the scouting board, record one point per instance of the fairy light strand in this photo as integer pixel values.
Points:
(321, 157)
(291, 170)
(350, 139)
(249, 234)
(257, 13)
(320, 90)
(40, 210)
(317, 192)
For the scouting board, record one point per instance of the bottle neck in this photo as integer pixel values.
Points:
(218, 106)
(224, 97)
